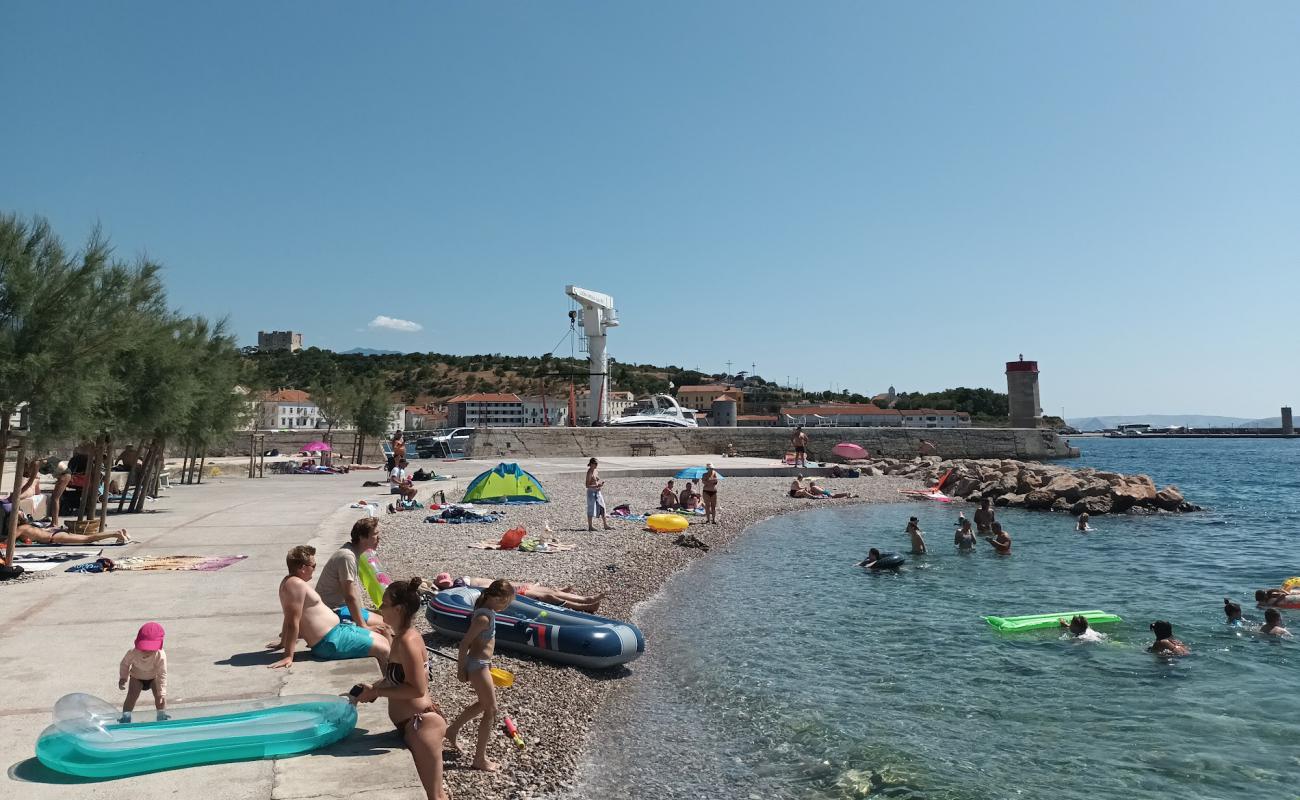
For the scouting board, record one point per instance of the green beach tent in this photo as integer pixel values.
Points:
(505, 483)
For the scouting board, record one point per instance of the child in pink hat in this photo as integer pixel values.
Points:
(145, 667)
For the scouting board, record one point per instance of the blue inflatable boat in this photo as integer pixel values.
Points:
(543, 630)
(87, 739)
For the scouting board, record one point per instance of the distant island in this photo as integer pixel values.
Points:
(1172, 421)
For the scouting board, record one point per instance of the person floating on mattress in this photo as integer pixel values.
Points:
(1165, 643)
(1079, 629)
(1272, 597)
(1001, 540)
(1233, 612)
(565, 597)
(144, 667)
(1273, 624)
(918, 541)
(418, 719)
(474, 663)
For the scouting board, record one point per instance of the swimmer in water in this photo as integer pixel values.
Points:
(964, 537)
(1080, 629)
(1165, 643)
(1273, 624)
(1082, 527)
(1001, 540)
(918, 542)
(1233, 612)
(873, 555)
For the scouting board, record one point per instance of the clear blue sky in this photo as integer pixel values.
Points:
(854, 193)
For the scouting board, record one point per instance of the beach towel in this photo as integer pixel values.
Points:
(174, 563)
(548, 546)
(54, 558)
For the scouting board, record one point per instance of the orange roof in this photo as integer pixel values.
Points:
(914, 412)
(709, 387)
(484, 398)
(757, 417)
(287, 396)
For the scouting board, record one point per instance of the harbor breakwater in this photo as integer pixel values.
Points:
(973, 443)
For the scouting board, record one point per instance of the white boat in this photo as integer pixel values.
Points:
(658, 411)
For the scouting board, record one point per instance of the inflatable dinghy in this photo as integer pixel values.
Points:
(1034, 622)
(543, 630)
(87, 739)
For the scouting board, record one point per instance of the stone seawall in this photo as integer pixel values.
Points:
(1018, 443)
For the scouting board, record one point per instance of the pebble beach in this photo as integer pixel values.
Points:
(554, 705)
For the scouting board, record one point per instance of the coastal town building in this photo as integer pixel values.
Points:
(702, 396)
(485, 410)
(288, 409)
(852, 415)
(758, 420)
(542, 411)
(619, 402)
(420, 418)
(931, 418)
(278, 341)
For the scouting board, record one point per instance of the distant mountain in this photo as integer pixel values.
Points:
(1165, 421)
(1267, 422)
(366, 351)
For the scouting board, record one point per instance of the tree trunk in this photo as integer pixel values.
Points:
(11, 534)
(146, 472)
(108, 474)
(202, 461)
(4, 444)
(88, 491)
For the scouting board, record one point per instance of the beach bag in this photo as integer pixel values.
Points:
(511, 538)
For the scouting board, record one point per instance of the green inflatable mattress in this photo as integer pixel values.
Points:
(1034, 622)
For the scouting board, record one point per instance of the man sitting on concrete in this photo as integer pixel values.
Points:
(307, 617)
(339, 584)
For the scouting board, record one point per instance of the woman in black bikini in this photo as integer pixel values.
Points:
(406, 685)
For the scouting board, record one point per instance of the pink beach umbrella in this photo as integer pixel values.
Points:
(849, 450)
(316, 447)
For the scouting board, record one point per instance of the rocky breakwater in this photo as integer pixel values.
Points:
(1047, 487)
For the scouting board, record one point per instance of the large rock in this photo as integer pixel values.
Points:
(962, 487)
(1004, 500)
(1169, 499)
(1027, 481)
(1097, 504)
(1039, 499)
(1065, 485)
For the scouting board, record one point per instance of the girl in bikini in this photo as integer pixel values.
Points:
(474, 661)
(406, 685)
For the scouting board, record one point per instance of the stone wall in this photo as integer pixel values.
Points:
(1018, 443)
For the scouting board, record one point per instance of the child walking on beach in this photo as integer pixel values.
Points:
(474, 662)
(145, 667)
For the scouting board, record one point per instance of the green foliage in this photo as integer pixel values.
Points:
(984, 405)
(370, 413)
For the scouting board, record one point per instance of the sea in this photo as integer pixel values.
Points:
(779, 669)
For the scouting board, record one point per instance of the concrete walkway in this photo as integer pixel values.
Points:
(68, 632)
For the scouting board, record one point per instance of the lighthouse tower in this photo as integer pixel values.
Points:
(1022, 393)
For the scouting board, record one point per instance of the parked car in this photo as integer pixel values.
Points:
(455, 439)
(430, 447)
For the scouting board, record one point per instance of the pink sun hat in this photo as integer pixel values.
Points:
(150, 637)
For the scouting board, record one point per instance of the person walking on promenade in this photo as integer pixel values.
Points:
(984, 518)
(595, 497)
(800, 442)
(417, 718)
(709, 493)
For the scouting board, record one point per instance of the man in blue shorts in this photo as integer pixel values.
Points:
(308, 618)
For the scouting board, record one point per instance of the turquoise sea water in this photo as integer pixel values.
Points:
(781, 670)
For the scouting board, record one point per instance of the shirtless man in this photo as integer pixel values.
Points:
(984, 518)
(595, 497)
(565, 597)
(1001, 540)
(306, 617)
(800, 442)
(1273, 624)
(796, 487)
(918, 541)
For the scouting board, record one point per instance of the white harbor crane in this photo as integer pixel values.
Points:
(597, 316)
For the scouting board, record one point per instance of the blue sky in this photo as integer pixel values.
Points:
(850, 193)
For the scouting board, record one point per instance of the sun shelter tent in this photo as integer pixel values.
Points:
(505, 483)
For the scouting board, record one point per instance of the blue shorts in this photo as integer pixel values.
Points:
(343, 613)
(344, 641)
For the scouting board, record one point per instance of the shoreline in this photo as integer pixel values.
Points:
(555, 705)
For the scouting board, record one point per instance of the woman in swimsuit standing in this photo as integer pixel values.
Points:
(709, 482)
(406, 685)
(474, 662)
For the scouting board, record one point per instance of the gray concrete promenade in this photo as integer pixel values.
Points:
(66, 633)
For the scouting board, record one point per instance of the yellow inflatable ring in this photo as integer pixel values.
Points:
(666, 523)
(1291, 583)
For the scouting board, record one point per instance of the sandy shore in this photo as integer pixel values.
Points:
(554, 705)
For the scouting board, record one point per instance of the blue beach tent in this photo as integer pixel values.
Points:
(505, 483)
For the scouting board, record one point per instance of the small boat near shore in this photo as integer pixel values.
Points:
(550, 632)
(657, 411)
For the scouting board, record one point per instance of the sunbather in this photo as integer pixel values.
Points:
(31, 534)
(796, 488)
(557, 597)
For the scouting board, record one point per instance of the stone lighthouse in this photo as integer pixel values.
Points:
(1022, 394)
